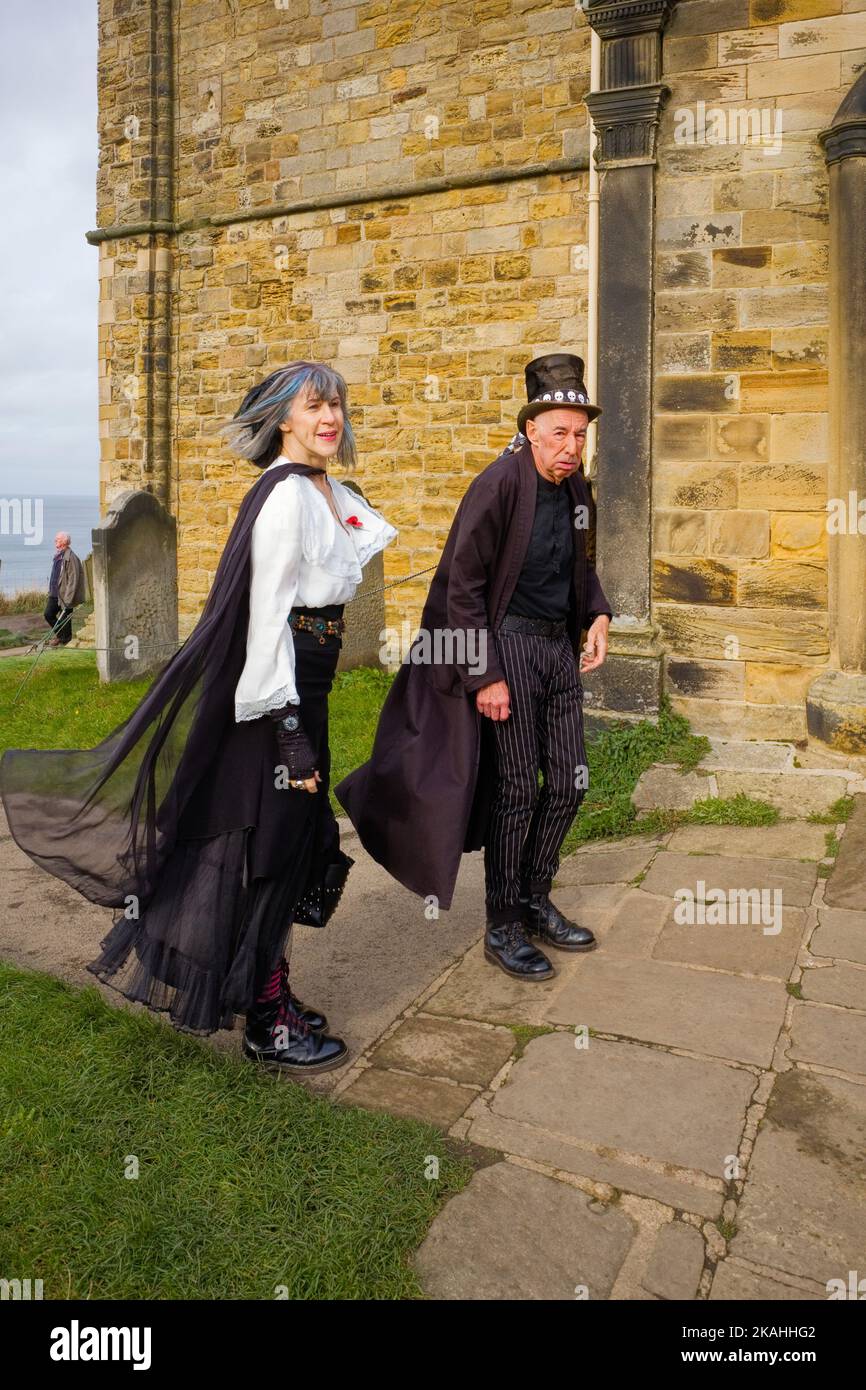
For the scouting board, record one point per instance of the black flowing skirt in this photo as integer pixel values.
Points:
(217, 923)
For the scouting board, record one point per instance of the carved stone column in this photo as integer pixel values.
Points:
(626, 113)
(836, 701)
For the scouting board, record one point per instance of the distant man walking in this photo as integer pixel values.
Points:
(66, 589)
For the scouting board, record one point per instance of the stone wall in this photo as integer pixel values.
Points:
(741, 340)
(401, 189)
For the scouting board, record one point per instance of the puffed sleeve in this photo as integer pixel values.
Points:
(268, 679)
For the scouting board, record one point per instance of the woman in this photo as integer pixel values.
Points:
(206, 815)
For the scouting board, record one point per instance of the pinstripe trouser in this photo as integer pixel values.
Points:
(544, 731)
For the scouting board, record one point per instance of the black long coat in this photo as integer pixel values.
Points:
(423, 797)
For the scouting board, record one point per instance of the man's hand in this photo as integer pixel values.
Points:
(493, 700)
(595, 646)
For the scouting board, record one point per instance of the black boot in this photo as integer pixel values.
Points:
(544, 920)
(316, 1022)
(280, 1038)
(506, 945)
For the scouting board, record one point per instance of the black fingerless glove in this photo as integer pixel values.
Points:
(294, 747)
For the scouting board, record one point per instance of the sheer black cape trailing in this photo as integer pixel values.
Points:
(176, 821)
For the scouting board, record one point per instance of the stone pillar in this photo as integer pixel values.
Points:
(135, 588)
(836, 701)
(626, 113)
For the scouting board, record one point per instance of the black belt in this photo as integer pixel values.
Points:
(536, 627)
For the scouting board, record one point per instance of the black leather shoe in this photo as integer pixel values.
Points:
(280, 1037)
(544, 920)
(288, 1044)
(506, 946)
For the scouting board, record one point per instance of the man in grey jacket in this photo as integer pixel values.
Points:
(66, 589)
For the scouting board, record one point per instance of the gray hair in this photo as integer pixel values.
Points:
(254, 429)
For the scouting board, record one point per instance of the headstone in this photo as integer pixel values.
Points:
(135, 587)
(365, 614)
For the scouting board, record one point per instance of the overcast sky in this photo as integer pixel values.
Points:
(49, 435)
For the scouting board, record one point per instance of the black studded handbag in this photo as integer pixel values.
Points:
(319, 899)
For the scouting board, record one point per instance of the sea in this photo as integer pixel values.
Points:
(27, 536)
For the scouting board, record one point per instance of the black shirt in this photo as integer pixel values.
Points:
(543, 588)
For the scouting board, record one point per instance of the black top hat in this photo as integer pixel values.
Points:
(555, 382)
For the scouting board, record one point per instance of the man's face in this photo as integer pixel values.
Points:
(557, 438)
(61, 541)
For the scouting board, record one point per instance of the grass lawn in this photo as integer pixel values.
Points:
(247, 1184)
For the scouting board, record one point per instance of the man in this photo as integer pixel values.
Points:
(66, 589)
(459, 745)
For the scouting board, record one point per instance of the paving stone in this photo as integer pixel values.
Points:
(836, 984)
(676, 1263)
(465, 1052)
(661, 1184)
(803, 1209)
(828, 1037)
(624, 842)
(840, 934)
(605, 866)
(477, 989)
(628, 1100)
(719, 1015)
(418, 1097)
(513, 1234)
(635, 926)
(793, 839)
(735, 1281)
(845, 887)
(670, 872)
(590, 905)
(734, 756)
(742, 948)
(669, 788)
(797, 793)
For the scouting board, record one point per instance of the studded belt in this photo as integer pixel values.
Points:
(321, 627)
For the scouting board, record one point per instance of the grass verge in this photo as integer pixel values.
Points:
(247, 1184)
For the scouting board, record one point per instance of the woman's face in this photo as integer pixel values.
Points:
(313, 425)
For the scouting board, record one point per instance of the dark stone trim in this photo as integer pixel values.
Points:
(627, 120)
(847, 141)
(625, 17)
(511, 174)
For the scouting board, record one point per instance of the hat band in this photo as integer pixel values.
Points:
(570, 396)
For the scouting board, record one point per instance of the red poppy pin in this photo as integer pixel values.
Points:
(353, 521)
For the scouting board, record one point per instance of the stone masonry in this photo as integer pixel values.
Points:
(401, 189)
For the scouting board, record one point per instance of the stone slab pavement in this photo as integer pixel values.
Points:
(679, 1114)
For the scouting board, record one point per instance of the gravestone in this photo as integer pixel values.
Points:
(365, 613)
(135, 588)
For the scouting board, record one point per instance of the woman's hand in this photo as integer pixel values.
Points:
(310, 784)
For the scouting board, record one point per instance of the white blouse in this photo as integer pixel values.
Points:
(300, 558)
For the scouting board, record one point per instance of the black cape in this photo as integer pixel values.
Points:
(106, 819)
